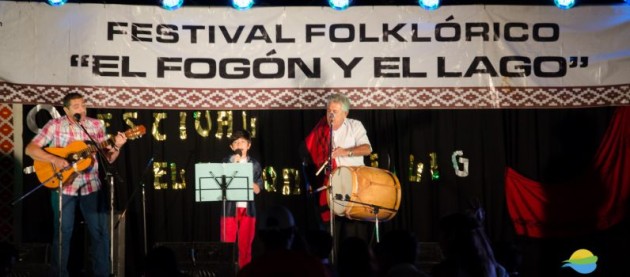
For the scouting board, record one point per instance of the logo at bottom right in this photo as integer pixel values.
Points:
(582, 261)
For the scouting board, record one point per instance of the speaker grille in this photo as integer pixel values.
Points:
(204, 259)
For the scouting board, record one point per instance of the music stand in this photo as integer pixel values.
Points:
(224, 182)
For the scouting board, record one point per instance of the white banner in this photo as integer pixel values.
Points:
(397, 51)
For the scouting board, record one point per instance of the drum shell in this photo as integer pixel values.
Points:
(368, 185)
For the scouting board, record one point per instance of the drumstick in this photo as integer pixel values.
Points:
(321, 168)
(321, 188)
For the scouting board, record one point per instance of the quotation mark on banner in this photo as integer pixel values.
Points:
(74, 60)
(107, 66)
(573, 61)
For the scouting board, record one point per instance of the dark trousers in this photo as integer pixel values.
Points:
(95, 212)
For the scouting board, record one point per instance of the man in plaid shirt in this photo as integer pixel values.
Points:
(85, 190)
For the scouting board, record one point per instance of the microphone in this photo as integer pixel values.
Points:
(77, 117)
(29, 169)
(150, 161)
(338, 196)
(238, 152)
(193, 256)
(331, 117)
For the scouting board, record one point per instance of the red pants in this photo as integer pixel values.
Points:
(245, 227)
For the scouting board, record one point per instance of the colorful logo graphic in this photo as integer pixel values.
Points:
(582, 261)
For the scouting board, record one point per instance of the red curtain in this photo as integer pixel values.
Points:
(596, 200)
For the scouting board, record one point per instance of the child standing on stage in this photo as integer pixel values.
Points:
(240, 219)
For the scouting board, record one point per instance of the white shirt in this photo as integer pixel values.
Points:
(350, 134)
(242, 204)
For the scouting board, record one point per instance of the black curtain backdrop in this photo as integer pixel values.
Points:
(545, 145)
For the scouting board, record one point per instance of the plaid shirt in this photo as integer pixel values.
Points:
(59, 132)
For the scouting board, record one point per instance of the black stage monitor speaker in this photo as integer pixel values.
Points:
(34, 260)
(204, 259)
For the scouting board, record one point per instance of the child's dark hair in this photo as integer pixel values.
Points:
(244, 134)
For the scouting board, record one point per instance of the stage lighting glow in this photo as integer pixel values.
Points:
(429, 4)
(172, 4)
(242, 4)
(57, 3)
(564, 4)
(339, 5)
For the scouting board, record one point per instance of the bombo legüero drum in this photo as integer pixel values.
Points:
(367, 185)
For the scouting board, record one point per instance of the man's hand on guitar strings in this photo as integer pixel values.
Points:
(58, 162)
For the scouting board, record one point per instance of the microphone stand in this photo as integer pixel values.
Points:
(110, 177)
(144, 210)
(59, 227)
(330, 190)
(59, 177)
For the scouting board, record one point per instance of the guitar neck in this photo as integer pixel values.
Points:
(79, 149)
(132, 133)
(94, 148)
(106, 143)
(110, 141)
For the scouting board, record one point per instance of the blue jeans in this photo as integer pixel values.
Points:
(95, 212)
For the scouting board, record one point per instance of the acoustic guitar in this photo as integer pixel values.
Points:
(79, 155)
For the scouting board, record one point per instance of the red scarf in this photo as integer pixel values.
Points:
(318, 144)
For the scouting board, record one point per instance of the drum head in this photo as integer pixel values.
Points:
(356, 190)
(342, 183)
